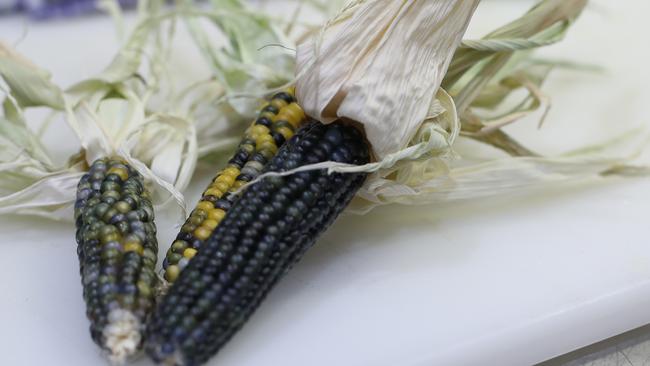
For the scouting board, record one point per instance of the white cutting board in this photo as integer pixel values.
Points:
(503, 281)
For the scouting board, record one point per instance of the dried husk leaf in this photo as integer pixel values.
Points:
(132, 109)
(351, 69)
(119, 111)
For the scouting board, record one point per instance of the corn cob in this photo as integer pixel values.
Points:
(275, 124)
(117, 250)
(262, 236)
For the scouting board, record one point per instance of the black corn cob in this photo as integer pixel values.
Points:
(117, 249)
(276, 123)
(262, 236)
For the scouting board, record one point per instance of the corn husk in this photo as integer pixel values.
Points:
(380, 63)
(482, 75)
(135, 108)
(167, 125)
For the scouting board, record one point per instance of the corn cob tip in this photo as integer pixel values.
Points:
(123, 335)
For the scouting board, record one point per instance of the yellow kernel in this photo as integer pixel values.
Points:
(231, 171)
(268, 115)
(292, 114)
(217, 214)
(285, 131)
(202, 233)
(294, 107)
(268, 155)
(238, 184)
(210, 224)
(270, 146)
(205, 206)
(110, 237)
(289, 117)
(120, 172)
(213, 192)
(279, 103)
(133, 247)
(189, 253)
(259, 130)
(263, 138)
(292, 91)
(228, 179)
(222, 186)
(172, 272)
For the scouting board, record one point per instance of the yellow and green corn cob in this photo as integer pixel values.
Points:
(265, 232)
(276, 123)
(117, 249)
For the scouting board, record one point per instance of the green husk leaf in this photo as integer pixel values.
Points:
(30, 86)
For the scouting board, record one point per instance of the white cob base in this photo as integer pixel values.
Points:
(122, 335)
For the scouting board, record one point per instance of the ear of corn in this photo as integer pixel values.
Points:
(117, 250)
(276, 123)
(265, 232)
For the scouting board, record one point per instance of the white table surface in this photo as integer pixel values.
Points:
(503, 281)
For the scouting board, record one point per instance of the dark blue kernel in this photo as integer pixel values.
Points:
(264, 122)
(271, 109)
(278, 138)
(284, 96)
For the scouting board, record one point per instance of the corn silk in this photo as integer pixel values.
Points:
(164, 119)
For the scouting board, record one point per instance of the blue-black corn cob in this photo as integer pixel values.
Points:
(261, 237)
(117, 250)
(276, 123)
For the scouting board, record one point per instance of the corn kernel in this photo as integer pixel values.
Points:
(292, 114)
(144, 289)
(213, 192)
(268, 115)
(222, 186)
(133, 247)
(249, 148)
(238, 184)
(189, 253)
(210, 224)
(178, 246)
(270, 146)
(216, 214)
(285, 131)
(294, 107)
(259, 130)
(109, 238)
(205, 206)
(120, 172)
(228, 179)
(231, 171)
(263, 138)
(279, 103)
(202, 233)
(172, 272)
